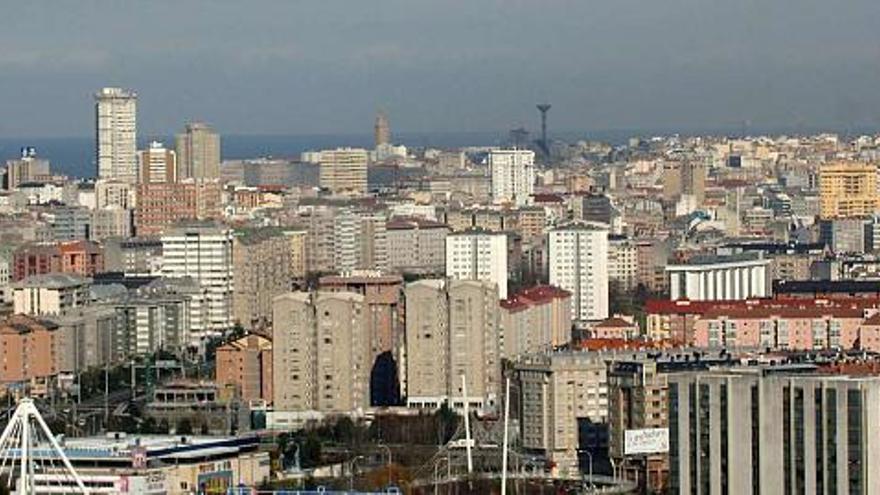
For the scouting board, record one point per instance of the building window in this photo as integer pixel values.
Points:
(854, 440)
(831, 438)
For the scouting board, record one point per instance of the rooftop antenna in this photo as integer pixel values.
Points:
(28, 446)
(544, 108)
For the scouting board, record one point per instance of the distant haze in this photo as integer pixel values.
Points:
(326, 66)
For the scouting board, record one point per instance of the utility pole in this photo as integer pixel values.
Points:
(504, 454)
(467, 425)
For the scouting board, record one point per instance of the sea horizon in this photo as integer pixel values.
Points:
(74, 155)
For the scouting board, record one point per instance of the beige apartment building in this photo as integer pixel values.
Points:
(416, 245)
(321, 353)
(198, 152)
(637, 395)
(384, 306)
(534, 320)
(556, 390)
(848, 189)
(297, 240)
(261, 267)
(452, 330)
(344, 171)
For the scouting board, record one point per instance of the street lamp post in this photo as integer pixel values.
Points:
(590, 456)
(351, 467)
(437, 463)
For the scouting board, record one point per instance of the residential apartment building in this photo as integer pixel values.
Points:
(261, 267)
(452, 330)
(578, 262)
(477, 254)
(85, 338)
(161, 206)
(204, 253)
(50, 294)
(77, 257)
(359, 241)
(157, 165)
(513, 176)
(343, 171)
(848, 189)
(198, 152)
(637, 399)
(556, 391)
(28, 349)
(157, 316)
(416, 245)
(534, 320)
(321, 355)
(116, 132)
(246, 363)
(297, 241)
(383, 305)
(115, 193)
(623, 263)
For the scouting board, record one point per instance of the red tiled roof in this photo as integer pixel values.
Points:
(609, 344)
(791, 307)
(538, 294)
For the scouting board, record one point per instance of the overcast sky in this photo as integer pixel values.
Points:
(326, 66)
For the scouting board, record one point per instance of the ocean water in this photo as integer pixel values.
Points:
(75, 156)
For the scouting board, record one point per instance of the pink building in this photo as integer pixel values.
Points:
(786, 327)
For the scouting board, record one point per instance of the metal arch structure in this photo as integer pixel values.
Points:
(28, 447)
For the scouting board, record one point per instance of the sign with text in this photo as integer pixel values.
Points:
(646, 441)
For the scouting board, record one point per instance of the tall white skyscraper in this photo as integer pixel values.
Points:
(116, 134)
(513, 176)
(578, 259)
(205, 255)
(477, 254)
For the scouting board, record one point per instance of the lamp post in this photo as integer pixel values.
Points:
(351, 466)
(437, 463)
(590, 456)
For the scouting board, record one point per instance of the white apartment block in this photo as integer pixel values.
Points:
(578, 263)
(513, 176)
(205, 255)
(477, 254)
(360, 241)
(719, 278)
(116, 148)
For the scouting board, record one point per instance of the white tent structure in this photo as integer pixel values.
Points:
(30, 455)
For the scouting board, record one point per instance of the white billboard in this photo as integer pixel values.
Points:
(646, 441)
